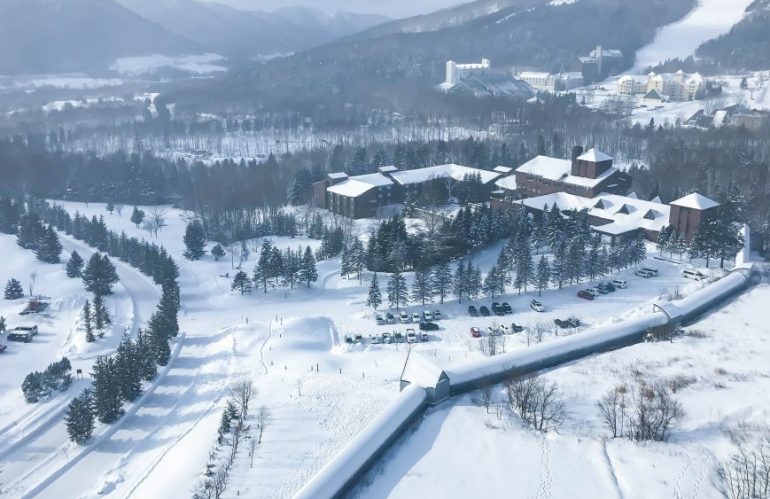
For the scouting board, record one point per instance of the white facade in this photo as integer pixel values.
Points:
(678, 86)
(456, 72)
(552, 82)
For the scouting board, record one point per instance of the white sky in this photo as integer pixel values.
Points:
(392, 8)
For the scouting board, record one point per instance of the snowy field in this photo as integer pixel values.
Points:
(460, 450)
(321, 391)
(193, 64)
(709, 19)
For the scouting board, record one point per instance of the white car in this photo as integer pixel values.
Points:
(505, 329)
(643, 273)
(405, 318)
(620, 283)
(651, 270)
(693, 274)
(536, 306)
(427, 315)
(416, 317)
(387, 338)
(411, 337)
(375, 339)
(594, 292)
(493, 331)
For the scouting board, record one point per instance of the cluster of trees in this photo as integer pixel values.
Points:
(275, 268)
(746, 475)
(56, 377)
(30, 231)
(538, 403)
(649, 413)
(117, 379)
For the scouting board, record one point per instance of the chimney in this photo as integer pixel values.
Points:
(577, 151)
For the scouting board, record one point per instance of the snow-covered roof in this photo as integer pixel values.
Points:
(560, 169)
(504, 170)
(695, 201)
(360, 184)
(653, 94)
(625, 214)
(387, 169)
(456, 172)
(595, 156)
(338, 175)
(420, 371)
(507, 183)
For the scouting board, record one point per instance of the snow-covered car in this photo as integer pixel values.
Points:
(643, 273)
(536, 306)
(405, 318)
(411, 337)
(516, 328)
(380, 319)
(651, 270)
(619, 283)
(32, 330)
(496, 309)
(358, 338)
(437, 315)
(423, 336)
(387, 338)
(484, 311)
(375, 339)
(491, 331)
(504, 329)
(693, 274)
(415, 317)
(472, 311)
(594, 291)
(427, 316)
(507, 307)
(475, 332)
(390, 318)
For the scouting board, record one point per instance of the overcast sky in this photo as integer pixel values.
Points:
(392, 8)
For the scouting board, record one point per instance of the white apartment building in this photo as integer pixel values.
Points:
(552, 82)
(677, 86)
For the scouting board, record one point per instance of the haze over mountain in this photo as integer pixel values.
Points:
(390, 8)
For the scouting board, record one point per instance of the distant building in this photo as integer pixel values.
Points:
(599, 63)
(552, 82)
(689, 212)
(480, 80)
(585, 175)
(457, 72)
(678, 86)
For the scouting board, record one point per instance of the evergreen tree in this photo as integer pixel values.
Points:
(441, 280)
(49, 248)
(262, 270)
(143, 348)
(79, 418)
(494, 284)
(87, 317)
(74, 265)
(397, 290)
(665, 239)
(13, 290)
(460, 282)
(374, 299)
(217, 252)
(474, 281)
(194, 241)
(593, 264)
(129, 369)
(559, 264)
(100, 275)
(101, 316)
(525, 271)
(241, 282)
(421, 287)
(308, 272)
(638, 250)
(137, 217)
(106, 390)
(357, 258)
(345, 265)
(543, 275)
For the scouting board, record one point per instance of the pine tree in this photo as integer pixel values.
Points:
(543, 275)
(345, 264)
(75, 265)
(441, 281)
(357, 258)
(79, 418)
(421, 287)
(397, 290)
(308, 272)
(525, 271)
(145, 358)
(13, 290)
(217, 252)
(638, 250)
(106, 390)
(593, 259)
(129, 369)
(494, 283)
(374, 299)
(262, 270)
(101, 317)
(137, 217)
(241, 282)
(665, 239)
(87, 317)
(100, 275)
(559, 265)
(49, 247)
(194, 241)
(460, 282)
(473, 281)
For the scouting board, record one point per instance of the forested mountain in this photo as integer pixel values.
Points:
(47, 36)
(237, 33)
(747, 45)
(392, 67)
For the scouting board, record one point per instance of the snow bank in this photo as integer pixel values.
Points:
(340, 474)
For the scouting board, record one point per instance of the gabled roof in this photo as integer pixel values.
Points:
(360, 184)
(594, 156)
(337, 175)
(503, 169)
(695, 201)
(560, 169)
(456, 172)
(420, 371)
(653, 94)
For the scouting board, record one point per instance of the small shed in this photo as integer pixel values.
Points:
(421, 372)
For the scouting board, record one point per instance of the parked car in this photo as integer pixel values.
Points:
(619, 283)
(496, 309)
(375, 339)
(483, 310)
(404, 318)
(560, 323)
(573, 322)
(398, 337)
(507, 307)
(415, 317)
(423, 336)
(387, 338)
(427, 316)
(536, 306)
(594, 292)
(437, 315)
(411, 337)
(428, 326)
(693, 274)
(516, 328)
(380, 319)
(390, 318)
(505, 329)
(475, 332)
(348, 339)
(358, 338)
(643, 273)
(21, 337)
(651, 270)
(585, 295)
(606, 287)
(491, 331)
(26, 329)
(472, 311)
(3, 348)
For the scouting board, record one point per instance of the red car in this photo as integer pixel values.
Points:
(585, 295)
(475, 332)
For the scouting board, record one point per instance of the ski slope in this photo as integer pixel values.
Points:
(709, 19)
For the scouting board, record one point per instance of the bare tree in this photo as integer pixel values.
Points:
(155, 222)
(119, 209)
(486, 393)
(300, 382)
(32, 279)
(654, 413)
(252, 451)
(220, 482)
(613, 409)
(747, 474)
(263, 421)
(537, 403)
(242, 392)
